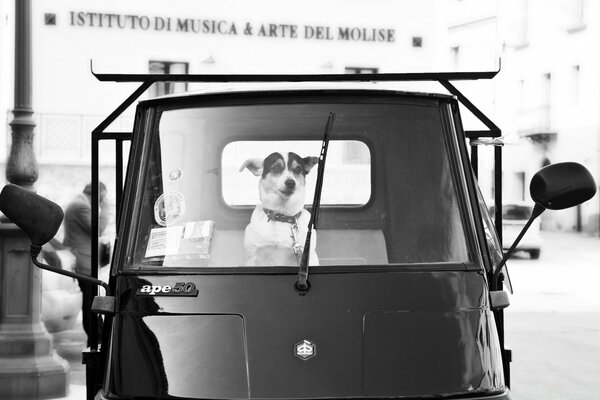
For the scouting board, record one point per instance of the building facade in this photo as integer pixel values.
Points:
(543, 98)
(181, 36)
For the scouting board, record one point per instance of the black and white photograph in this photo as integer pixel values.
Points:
(283, 200)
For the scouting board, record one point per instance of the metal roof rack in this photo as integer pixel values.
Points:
(444, 78)
(376, 77)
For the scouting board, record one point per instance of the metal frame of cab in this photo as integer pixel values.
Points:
(93, 357)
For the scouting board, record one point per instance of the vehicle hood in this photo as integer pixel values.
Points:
(401, 334)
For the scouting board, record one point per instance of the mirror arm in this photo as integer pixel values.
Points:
(35, 251)
(538, 209)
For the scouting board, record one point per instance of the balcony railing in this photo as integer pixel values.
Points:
(535, 124)
(66, 138)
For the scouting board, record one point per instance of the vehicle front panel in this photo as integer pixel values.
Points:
(398, 304)
(402, 334)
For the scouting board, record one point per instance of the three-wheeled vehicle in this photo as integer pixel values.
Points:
(403, 295)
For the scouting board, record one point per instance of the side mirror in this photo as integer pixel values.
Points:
(40, 219)
(562, 185)
(555, 187)
(37, 216)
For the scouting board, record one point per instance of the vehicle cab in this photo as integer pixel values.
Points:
(395, 290)
(399, 301)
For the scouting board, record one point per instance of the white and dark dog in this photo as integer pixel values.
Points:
(277, 230)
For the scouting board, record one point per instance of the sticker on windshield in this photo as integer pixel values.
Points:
(191, 240)
(164, 241)
(175, 174)
(169, 208)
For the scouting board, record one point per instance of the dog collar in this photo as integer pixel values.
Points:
(275, 216)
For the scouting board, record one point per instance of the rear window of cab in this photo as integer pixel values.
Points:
(348, 170)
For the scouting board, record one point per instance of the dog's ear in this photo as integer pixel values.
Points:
(254, 165)
(310, 162)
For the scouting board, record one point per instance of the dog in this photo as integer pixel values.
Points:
(277, 230)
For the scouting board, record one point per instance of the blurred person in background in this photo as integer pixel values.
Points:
(78, 237)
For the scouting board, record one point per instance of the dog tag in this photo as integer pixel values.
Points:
(296, 246)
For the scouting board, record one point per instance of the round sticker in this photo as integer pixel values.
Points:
(169, 208)
(175, 174)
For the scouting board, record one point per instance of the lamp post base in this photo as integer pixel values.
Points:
(29, 365)
(36, 377)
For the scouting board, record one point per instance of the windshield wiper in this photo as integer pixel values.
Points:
(302, 284)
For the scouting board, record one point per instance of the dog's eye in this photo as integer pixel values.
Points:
(298, 170)
(276, 168)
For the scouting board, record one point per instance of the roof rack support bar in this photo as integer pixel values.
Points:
(118, 138)
(498, 190)
(494, 130)
(94, 253)
(476, 134)
(119, 110)
(475, 160)
(118, 179)
(113, 135)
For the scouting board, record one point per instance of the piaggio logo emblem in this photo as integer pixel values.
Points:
(305, 350)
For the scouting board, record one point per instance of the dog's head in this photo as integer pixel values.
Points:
(282, 186)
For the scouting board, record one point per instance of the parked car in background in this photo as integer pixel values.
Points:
(61, 297)
(514, 217)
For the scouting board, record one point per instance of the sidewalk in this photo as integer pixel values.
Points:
(76, 392)
(69, 345)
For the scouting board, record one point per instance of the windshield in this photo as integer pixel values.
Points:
(232, 185)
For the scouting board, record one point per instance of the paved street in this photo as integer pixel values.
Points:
(555, 355)
(566, 278)
(552, 325)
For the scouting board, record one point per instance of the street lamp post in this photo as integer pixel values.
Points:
(29, 365)
(22, 168)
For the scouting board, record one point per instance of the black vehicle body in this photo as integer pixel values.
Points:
(409, 326)
(210, 295)
(404, 300)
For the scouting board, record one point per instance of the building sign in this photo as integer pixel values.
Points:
(221, 27)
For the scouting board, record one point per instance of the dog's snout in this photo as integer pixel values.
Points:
(290, 183)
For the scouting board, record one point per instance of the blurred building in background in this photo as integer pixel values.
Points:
(180, 36)
(544, 98)
(547, 94)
